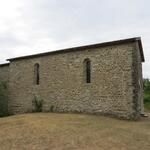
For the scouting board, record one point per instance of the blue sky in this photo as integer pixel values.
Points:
(33, 26)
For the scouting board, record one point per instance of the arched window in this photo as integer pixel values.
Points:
(37, 73)
(87, 64)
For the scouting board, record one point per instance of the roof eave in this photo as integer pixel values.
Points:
(141, 49)
(5, 64)
(85, 47)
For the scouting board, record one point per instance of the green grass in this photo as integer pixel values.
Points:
(52, 131)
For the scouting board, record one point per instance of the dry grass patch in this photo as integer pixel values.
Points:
(50, 131)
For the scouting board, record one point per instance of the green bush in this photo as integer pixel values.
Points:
(38, 104)
(3, 99)
(51, 108)
(146, 83)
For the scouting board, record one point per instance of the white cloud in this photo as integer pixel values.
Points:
(28, 27)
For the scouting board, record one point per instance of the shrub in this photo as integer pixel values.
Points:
(38, 104)
(51, 108)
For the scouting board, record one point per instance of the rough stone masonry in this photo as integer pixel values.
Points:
(103, 78)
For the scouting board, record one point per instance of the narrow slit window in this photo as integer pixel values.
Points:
(37, 73)
(88, 70)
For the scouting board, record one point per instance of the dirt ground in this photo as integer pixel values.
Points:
(51, 131)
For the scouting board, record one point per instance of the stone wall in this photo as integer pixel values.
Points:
(63, 86)
(137, 81)
(4, 75)
(4, 72)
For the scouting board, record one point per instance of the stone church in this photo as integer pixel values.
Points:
(103, 78)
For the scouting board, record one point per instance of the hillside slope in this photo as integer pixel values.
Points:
(50, 131)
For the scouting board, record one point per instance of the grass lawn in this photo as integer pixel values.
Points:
(51, 131)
